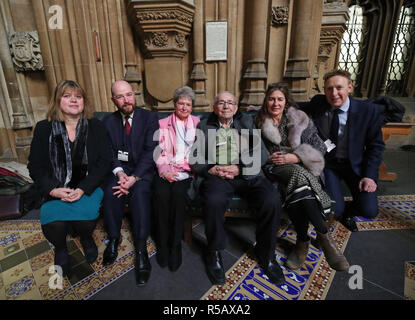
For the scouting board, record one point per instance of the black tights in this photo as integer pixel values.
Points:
(304, 212)
(56, 232)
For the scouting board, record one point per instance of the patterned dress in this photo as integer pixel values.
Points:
(295, 181)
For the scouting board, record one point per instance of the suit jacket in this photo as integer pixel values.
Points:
(365, 141)
(144, 125)
(202, 156)
(168, 143)
(99, 161)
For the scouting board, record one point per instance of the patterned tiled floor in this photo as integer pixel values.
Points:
(246, 281)
(26, 258)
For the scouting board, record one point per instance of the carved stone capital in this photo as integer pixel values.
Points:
(25, 51)
(162, 26)
(279, 15)
(332, 33)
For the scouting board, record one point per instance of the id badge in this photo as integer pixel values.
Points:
(122, 155)
(329, 145)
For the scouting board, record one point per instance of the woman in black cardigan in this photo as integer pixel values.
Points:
(69, 160)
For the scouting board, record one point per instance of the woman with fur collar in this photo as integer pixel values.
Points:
(296, 161)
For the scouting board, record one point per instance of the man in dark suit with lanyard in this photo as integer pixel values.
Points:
(352, 131)
(131, 131)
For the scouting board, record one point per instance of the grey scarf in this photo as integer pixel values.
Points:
(60, 149)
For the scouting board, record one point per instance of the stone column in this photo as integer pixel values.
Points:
(21, 122)
(132, 68)
(255, 75)
(298, 69)
(163, 27)
(198, 75)
(335, 16)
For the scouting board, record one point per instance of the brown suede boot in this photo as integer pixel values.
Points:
(335, 259)
(297, 256)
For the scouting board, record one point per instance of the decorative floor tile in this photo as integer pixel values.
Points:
(20, 287)
(44, 259)
(16, 273)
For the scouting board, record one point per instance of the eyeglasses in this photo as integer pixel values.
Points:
(222, 103)
(128, 95)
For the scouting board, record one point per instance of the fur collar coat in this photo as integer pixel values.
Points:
(302, 139)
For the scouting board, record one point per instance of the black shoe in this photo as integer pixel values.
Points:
(349, 223)
(111, 252)
(175, 257)
(162, 256)
(214, 268)
(142, 267)
(274, 272)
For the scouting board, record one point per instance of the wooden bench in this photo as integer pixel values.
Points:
(392, 128)
(237, 207)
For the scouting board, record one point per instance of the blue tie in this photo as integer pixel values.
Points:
(334, 129)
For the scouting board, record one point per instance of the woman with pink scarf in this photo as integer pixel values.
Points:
(176, 137)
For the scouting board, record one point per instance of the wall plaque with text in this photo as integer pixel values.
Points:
(217, 41)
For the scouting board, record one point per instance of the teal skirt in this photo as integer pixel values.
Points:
(86, 208)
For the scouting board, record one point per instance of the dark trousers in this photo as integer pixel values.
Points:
(55, 232)
(364, 204)
(302, 213)
(169, 207)
(139, 204)
(261, 196)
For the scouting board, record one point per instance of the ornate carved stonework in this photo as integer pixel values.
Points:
(325, 50)
(279, 15)
(334, 4)
(180, 40)
(336, 33)
(25, 51)
(164, 15)
(159, 39)
(162, 26)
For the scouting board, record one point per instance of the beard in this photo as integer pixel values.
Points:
(126, 109)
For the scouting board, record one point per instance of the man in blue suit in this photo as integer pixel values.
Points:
(131, 131)
(352, 131)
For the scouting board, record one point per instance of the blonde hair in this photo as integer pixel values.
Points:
(338, 72)
(54, 111)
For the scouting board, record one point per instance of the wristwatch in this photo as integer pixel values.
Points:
(136, 178)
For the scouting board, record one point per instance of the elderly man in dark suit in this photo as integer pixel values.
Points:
(228, 155)
(131, 131)
(352, 131)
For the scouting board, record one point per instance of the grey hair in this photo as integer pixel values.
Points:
(184, 92)
(216, 99)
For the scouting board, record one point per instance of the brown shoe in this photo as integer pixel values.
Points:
(297, 256)
(335, 259)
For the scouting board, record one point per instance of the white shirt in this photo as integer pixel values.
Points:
(130, 120)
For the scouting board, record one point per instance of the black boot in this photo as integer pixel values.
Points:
(111, 252)
(214, 267)
(142, 263)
